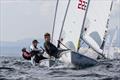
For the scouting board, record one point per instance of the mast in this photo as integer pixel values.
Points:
(82, 30)
(54, 18)
(63, 23)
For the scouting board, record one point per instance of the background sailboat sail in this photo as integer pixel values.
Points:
(98, 13)
(112, 45)
(113, 51)
(114, 26)
(61, 8)
(116, 38)
(73, 23)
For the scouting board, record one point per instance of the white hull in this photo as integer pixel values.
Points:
(89, 52)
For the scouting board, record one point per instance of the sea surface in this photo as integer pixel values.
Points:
(16, 68)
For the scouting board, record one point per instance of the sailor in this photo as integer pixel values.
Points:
(51, 49)
(26, 55)
(36, 53)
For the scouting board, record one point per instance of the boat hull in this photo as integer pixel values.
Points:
(80, 60)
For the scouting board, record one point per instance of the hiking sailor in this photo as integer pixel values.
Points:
(26, 55)
(36, 53)
(51, 49)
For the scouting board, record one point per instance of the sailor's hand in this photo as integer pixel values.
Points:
(43, 50)
(58, 41)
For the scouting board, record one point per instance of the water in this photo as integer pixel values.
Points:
(12, 68)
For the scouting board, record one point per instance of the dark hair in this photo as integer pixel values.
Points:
(24, 50)
(46, 34)
(35, 41)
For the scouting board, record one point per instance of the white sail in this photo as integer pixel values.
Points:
(73, 23)
(62, 5)
(98, 14)
(112, 50)
(116, 38)
(112, 45)
(115, 24)
(69, 33)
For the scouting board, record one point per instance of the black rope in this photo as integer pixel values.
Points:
(63, 22)
(55, 18)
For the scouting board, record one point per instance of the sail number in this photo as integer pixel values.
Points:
(82, 4)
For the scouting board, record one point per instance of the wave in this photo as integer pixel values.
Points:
(20, 69)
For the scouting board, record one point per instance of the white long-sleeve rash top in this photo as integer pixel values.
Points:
(32, 48)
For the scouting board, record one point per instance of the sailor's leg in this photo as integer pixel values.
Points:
(33, 60)
(61, 52)
(51, 60)
(41, 57)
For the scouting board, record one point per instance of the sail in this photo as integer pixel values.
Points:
(98, 14)
(116, 38)
(115, 24)
(112, 44)
(112, 50)
(73, 23)
(62, 5)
